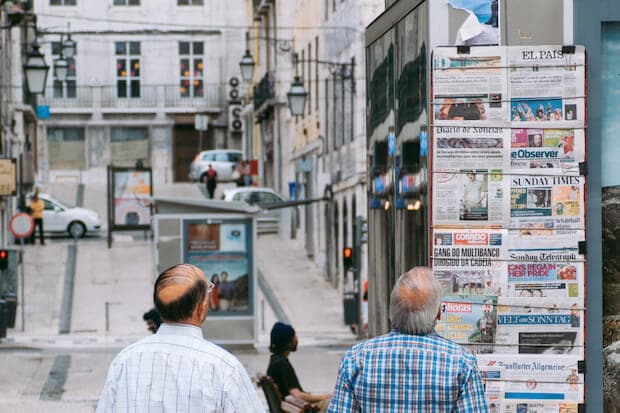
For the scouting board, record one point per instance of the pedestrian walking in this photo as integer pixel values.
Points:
(211, 177)
(238, 174)
(176, 369)
(37, 206)
(247, 173)
(411, 368)
(283, 342)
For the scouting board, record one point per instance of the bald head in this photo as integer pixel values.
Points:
(178, 292)
(414, 302)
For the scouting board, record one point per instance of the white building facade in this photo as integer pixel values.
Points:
(142, 71)
(326, 147)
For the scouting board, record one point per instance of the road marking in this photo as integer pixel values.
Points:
(67, 294)
(56, 379)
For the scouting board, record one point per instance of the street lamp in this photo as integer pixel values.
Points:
(68, 47)
(36, 70)
(61, 67)
(247, 66)
(297, 97)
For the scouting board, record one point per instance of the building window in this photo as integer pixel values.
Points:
(129, 145)
(63, 2)
(66, 148)
(126, 2)
(191, 55)
(128, 69)
(190, 2)
(66, 89)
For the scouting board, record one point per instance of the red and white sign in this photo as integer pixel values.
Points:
(21, 225)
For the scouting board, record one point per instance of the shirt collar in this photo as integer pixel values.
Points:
(177, 329)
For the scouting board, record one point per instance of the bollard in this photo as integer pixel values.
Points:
(11, 304)
(4, 316)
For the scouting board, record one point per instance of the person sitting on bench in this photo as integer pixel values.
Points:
(283, 342)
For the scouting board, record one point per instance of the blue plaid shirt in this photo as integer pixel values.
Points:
(408, 373)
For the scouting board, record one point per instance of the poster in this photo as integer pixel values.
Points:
(132, 197)
(221, 250)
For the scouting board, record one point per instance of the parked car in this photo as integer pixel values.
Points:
(222, 160)
(58, 217)
(268, 220)
(252, 195)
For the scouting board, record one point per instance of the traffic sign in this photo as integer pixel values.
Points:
(21, 225)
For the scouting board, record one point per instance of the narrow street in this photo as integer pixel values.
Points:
(85, 303)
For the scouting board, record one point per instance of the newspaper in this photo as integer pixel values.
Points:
(469, 87)
(539, 326)
(470, 184)
(470, 262)
(551, 268)
(530, 378)
(547, 205)
(546, 84)
(470, 321)
(538, 407)
(493, 383)
(547, 151)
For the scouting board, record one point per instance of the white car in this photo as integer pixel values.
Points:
(77, 222)
(252, 195)
(222, 160)
(268, 220)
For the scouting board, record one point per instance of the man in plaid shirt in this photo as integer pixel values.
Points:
(410, 369)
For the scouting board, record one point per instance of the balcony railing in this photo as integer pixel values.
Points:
(160, 97)
(264, 90)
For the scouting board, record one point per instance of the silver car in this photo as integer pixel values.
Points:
(222, 160)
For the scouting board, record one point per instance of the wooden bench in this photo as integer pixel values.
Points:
(290, 404)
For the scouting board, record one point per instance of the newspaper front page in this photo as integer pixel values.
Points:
(552, 268)
(547, 205)
(470, 181)
(531, 379)
(539, 326)
(547, 151)
(546, 84)
(469, 87)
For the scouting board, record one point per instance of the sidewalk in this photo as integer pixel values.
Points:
(311, 304)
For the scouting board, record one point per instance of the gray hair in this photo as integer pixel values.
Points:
(414, 301)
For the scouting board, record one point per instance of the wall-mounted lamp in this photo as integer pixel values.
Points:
(36, 70)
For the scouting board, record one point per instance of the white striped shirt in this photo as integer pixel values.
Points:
(177, 370)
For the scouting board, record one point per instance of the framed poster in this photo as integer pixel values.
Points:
(221, 248)
(131, 191)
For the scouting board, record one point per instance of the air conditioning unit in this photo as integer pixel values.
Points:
(235, 119)
(233, 94)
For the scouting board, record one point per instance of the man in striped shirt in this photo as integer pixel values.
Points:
(410, 369)
(176, 369)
